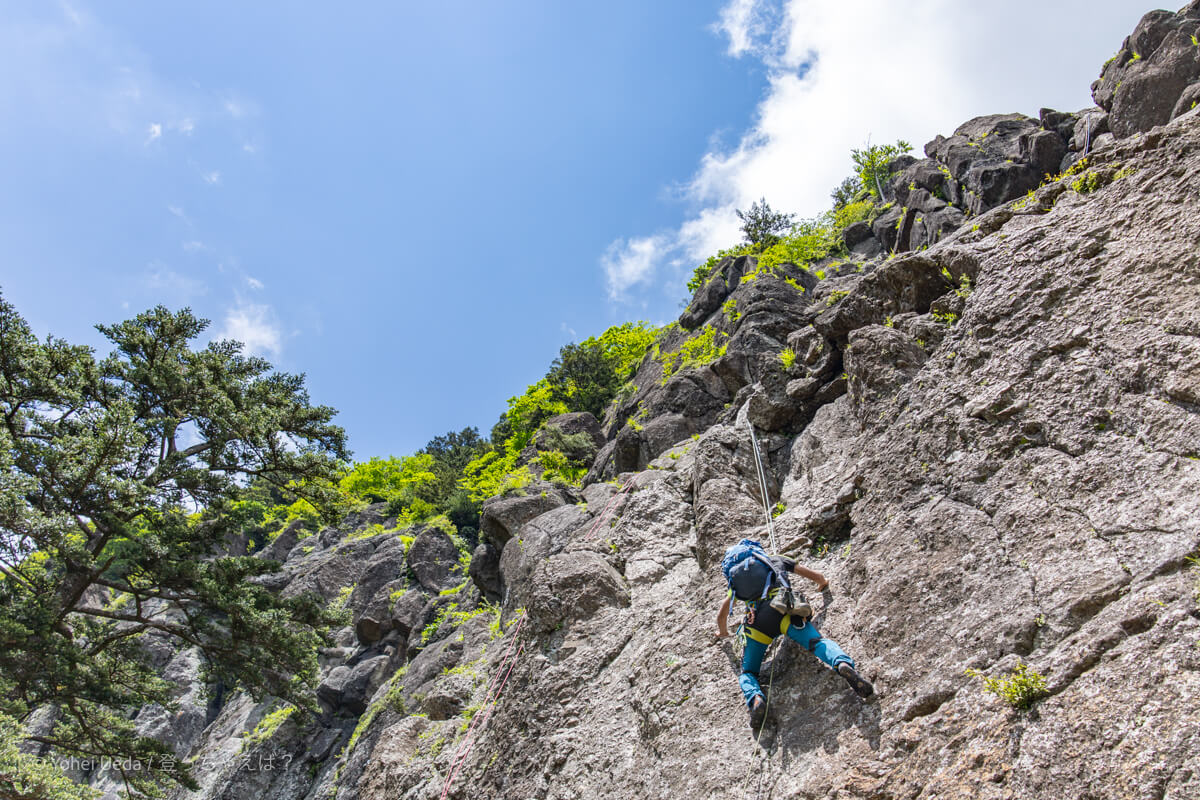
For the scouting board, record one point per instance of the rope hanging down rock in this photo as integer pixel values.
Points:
(762, 485)
(757, 752)
(489, 705)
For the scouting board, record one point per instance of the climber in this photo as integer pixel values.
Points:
(763, 623)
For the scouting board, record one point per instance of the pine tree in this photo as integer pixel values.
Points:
(114, 475)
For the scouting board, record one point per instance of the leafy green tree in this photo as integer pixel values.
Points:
(583, 377)
(451, 453)
(871, 164)
(762, 225)
(455, 450)
(393, 480)
(626, 345)
(115, 476)
(845, 192)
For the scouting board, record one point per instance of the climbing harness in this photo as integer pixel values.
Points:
(742, 630)
(489, 705)
(786, 601)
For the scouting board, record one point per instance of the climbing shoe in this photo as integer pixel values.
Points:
(857, 682)
(758, 712)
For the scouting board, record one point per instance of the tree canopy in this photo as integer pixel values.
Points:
(115, 474)
(762, 225)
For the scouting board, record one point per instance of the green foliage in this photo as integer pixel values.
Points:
(849, 214)
(947, 318)
(845, 192)
(528, 411)
(808, 241)
(787, 357)
(835, 296)
(557, 466)
(1089, 182)
(492, 474)
(761, 225)
(267, 726)
(389, 479)
(696, 351)
(1019, 689)
(625, 345)
(26, 776)
(116, 477)
(584, 377)
(701, 274)
(729, 309)
(449, 618)
(871, 163)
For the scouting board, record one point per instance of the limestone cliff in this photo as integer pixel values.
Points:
(988, 440)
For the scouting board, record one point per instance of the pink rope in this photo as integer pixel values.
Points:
(489, 702)
(611, 500)
(471, 743)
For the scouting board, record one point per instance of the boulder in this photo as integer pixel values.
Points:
(408, 612)
(433, 558)
(879, 360)
(385, 565)
(1142, 84)
(720, 284)
(485, 571)
(856, 233)
(503, 516)
(572, 586)
(349, 688)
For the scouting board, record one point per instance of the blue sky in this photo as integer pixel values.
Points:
(417, 205)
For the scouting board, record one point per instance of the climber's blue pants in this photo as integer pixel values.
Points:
(806, 636)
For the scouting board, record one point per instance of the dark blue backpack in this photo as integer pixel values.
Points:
(750, 572)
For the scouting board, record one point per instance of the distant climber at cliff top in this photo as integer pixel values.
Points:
(773, 607)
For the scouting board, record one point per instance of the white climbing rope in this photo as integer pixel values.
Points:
(762, 484)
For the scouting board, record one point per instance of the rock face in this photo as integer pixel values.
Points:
(1154, 77)
(991, 448)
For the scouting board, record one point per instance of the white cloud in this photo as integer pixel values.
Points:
(752, 26)
(212, 178)
(163, 280)
(838, 73)
(185, 126)
(155, 132)
(254, 283)
(255, 326)
(194, 246)
(632, 262)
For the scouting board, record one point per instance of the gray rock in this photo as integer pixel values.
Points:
(408, 613)
(574, 586)
(879, 361)
(433, 559)
(485, 570)
(349, 687)
(1142, 84)
(503, 517)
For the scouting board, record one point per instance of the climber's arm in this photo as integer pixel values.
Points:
(813, 576)
(722, 616)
